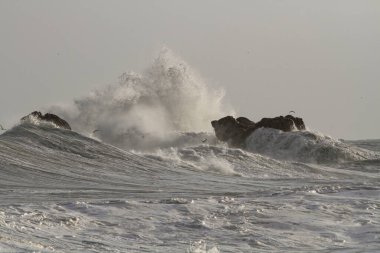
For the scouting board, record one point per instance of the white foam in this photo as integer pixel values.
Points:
(306, 146)
(148, 110)
(203, 161)
(201, 247)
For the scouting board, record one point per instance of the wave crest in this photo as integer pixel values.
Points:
(149, 110)
(304, 146)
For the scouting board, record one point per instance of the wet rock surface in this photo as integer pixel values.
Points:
(235, 131)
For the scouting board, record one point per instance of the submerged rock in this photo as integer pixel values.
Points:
(48, 117)
(235, 131)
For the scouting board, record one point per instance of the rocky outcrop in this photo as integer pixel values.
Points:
(232, 131)
(286, 124)
(235, 131)
(48, 117)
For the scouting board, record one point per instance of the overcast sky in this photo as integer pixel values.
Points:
(319, 58)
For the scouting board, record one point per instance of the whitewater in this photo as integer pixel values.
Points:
(153, 177)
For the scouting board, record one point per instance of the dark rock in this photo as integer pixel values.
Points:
(235, 131)
(286, 124)
(245, 122)
(229, 130)
(298, 122)
(48, 117)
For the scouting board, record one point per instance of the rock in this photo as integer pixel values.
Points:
(48, 117)
(231, 130)
(298, 122)
(235, 131)
(245, 122)
(286, 124)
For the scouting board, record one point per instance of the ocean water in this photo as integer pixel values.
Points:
(154, 179)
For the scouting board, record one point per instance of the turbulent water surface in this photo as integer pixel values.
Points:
(147, 183)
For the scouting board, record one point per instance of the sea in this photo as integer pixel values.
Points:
(142, 171)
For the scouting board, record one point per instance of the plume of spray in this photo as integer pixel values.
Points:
(155, 109)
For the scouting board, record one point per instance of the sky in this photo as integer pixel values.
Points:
(319, 58)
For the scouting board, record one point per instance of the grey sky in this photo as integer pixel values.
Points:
(320, 58)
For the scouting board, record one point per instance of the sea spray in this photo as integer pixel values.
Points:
(148, 110)
(304, 146)
(64, 192)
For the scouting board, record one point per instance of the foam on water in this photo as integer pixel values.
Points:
(61, 191)
(200, 158)
(172, 187)
(305, 146)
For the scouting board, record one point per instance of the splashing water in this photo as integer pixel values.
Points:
(149, 110)
(304, 146)
(297, 191)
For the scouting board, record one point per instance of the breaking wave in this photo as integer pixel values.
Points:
(145, 111)
(168, 108)
(304, 146)
(179, 190)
